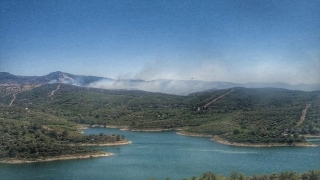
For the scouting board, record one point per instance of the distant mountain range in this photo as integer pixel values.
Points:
(180, 87)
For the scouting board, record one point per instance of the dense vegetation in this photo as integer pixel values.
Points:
(39, 123)
(311, 175)
(32, 136)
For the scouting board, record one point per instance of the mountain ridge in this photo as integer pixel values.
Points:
(179, 87)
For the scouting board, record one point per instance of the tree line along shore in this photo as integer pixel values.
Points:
(25, 141)
(57, 158)
(220, 140)
(310, 175)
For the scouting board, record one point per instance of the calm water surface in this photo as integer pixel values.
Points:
(165, 154)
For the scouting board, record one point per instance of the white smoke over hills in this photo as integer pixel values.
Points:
(184, 87)
(179, 87)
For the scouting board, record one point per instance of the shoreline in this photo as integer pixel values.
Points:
(225, 142)
(151, 130)
(214, 138)
(183, 133)
(122, 128)
(109, 144)
(311, 136)
(58, 158)
(86, 126)
(125, 128)
(220, 140)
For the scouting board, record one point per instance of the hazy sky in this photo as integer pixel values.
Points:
(236, 41)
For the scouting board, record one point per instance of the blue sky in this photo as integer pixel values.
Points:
(226, 40)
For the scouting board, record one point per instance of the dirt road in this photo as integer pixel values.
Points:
(14, 97)
(52, 93)
(303, 115)
(215, 99)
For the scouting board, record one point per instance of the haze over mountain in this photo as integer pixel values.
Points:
(180, 87)
(228, 41)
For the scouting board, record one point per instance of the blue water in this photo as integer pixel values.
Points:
(165, 154)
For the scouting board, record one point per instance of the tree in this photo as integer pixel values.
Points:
(242, 177)
(314, 175)
(305, 176)
(12, 152)
(65, 133)
(273, 176)
(208, 176)
(118, 137)
(234, 176)
(194, 178)
(236, 131)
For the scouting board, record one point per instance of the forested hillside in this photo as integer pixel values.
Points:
(253, 116)
(29, 134)
(311, 175)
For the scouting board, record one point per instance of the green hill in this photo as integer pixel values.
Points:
(241, 115)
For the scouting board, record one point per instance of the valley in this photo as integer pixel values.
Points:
(240, 115)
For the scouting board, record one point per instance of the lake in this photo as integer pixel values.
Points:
(166, 154)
